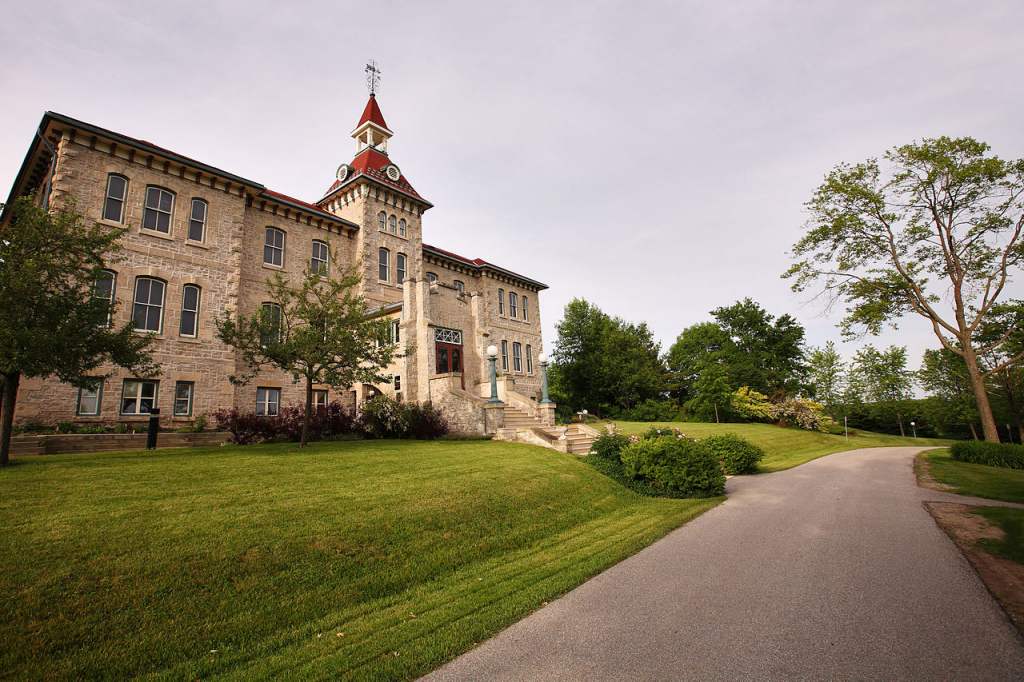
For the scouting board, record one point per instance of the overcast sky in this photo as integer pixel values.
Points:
(651, 157)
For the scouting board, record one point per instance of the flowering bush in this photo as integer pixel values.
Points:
(804, 413)
(751, 405)
(247, 428)
(609, 445)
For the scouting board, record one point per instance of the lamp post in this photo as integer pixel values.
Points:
(544, 399)
(492, 355)
(913, 425)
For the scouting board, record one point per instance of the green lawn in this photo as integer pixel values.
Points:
(785, 447)
(362, 560)
(976, 479)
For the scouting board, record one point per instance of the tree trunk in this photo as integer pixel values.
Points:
(900, 420)
(10, 394)
(988, 422)
(309, 406)
(973, 432)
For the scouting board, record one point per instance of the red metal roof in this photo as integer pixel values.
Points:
(307, 206)
(481, 263)
(371, 162)
(372, 114)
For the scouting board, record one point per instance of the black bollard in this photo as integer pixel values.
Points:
(154, 428)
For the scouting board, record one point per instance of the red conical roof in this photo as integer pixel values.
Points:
(372, 114)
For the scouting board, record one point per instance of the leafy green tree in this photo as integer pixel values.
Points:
(713, 395)
(604, 363)
(938, 209)
(693, 349)
(767, 352)
(319, 331)
(825, 372)
(1003, 333)
(886, 379)
(52, 323)
(944, 376)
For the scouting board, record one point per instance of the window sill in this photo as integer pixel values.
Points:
(158, 235)
(271, 266)
(198, 245)
(156, 335)
(111, 223)
(189, 339)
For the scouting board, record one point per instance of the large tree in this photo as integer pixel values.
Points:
(885, 377)
(603, 362)
(879, 234)
(944, 376)
(319, 330)
(826, 376)
(53, 321)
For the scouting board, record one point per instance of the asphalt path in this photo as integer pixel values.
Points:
(833, 570)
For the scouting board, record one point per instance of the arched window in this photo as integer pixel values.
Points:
(113, 202)
(273, 247)
(460, 286)
(319, 261)
(522, 303)
(400, 265)
(148, 304)
(393, 225)
(382, 219)
(197, 221)
(401, 227)
(501, 301)
(384, 267)
(159, 209)
(189, 326)
(431, 277)
(512, 305)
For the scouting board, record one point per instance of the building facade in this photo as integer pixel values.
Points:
(201, 243)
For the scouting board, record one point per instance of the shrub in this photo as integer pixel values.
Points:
(651, 410)
(92, 429)
(35, 426)
(384, 417)
(676, 465)
(123, 428)
(425, 421)
(737, 455)
(608, 446)
(751, 405)
(804, 413)
(246, 428)
(66, 427)
(1004, 455)
(663, 432)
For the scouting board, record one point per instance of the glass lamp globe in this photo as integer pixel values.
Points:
(492, 351)
(543, 357)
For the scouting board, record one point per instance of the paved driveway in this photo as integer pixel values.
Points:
(832, 570)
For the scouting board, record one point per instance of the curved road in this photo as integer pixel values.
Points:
(831, 570)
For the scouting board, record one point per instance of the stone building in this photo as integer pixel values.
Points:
(201, 243)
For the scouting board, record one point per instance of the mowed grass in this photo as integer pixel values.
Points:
(976, 479)
(785, 447)
(364, 560)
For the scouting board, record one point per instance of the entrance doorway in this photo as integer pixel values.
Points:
(449, 360)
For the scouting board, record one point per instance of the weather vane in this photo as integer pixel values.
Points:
(372, 77)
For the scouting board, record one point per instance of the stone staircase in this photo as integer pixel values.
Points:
(577, 440)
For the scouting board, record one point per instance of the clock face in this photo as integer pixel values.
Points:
(343, 171)
(393, 173)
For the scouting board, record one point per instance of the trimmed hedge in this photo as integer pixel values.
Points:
(1003, 455)
(675, 465)
(737, 455)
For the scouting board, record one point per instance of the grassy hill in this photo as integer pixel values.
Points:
(786, 447)
(361, 560)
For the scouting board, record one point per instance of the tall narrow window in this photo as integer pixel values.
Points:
(529, 359)
(401, 227)
(320, 260)
(382, 220)
(401, 262)
(392, 225)
(89, 400)
(384, 264)
(268, 401)
(396, 331)
(183, 391)
(273, 247)
(103, 288)
(272, 332)
(197, 221)
(517, 357)
(501, 301)
(148, 305)
(460, 286)
(522, 302)
(190, 311)
(113, 203)
(159, 207)
(504, 355)
(512, 305)
(319, 399)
